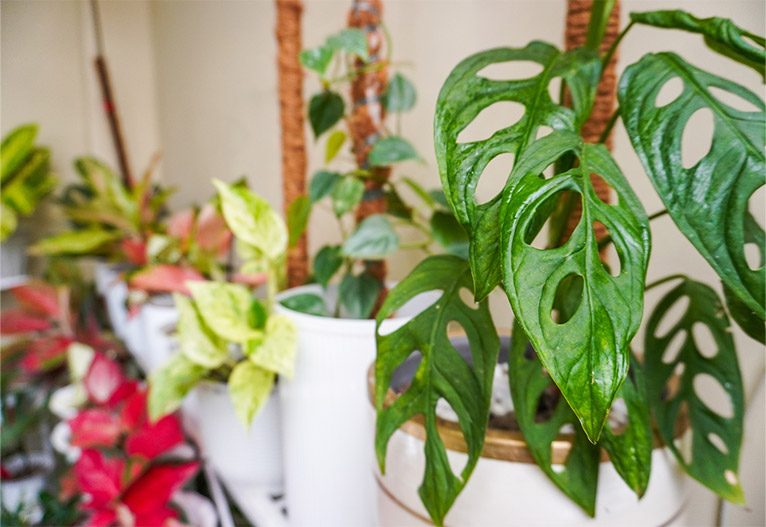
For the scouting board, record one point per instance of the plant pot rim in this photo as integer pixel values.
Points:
(503, 445)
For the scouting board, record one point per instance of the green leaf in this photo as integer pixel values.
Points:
(667, 395)
(373, 239)
(358, 294)
(169, 384)
(529, 385)
(253, 220)
(15, 148)
(346, 195)
(9, 221)
(326, 263)
(195, 339)
(325, 109)
(225, 308)
(322, 184)
(317, 59)
(276, 352)
(442, 373)
(464, 95)
(447, 231)
(720, 34)
(587, 356)
(708, 202)
(249, 388)
(298, 218)
(400, 95)
(350, 40)
(395, 205)
(31, 182)
(307, 303)
(390, 150)
(75, 242)
(746, 318)
(334, 143)
(108, 186)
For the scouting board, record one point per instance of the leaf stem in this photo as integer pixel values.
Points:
(610, 52)
(664, 280)
(609, 126)
(599, 18)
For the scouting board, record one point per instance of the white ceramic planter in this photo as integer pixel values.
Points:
(328, 445)
(158, 319)
(249, 462)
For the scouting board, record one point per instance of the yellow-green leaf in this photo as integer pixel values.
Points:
(195, 339)
(277, 350)
(249, 388)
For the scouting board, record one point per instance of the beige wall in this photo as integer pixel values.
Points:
(198, 80)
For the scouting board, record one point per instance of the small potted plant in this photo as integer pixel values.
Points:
(336, 333)
(570, 365)
(231, 347)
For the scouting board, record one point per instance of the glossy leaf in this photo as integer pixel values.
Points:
(225, 309)
(325, 110)
(317, 59)
(249, 388)
(587, 356)
(346, 195)
(334, 144)
(400, 95)
(307, 303)
(350, 40)
(720, 34)
(326, 263)
(169, 384)
(75, 242)
(298, 218)
(710, 466)
(15, 148)
(358, 294)
(464, 95)
(373, 239)
(442, 373)
(708, 201)
(253, 220)
(578, 478)
(322, 184)
(390, 150)
(746, 318)
(276, 352)
(447, 231)
(195, 339)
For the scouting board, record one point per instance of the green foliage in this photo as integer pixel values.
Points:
(350, 40)
(322, 184)
(249, 388)
(346, 195)
(195, 338)
(169, 384)
(327, 262)
(317, 59)
(448, 233)
(86, 241)
(400, 95)
(358, 293)
(226, 309)
(298, 218)
(325, 110)
(334, 144)
(276, 351)
(307, 303)
(373, 239)
(390, 150)
(442, 373)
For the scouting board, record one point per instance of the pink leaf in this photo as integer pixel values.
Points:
(101, 518)
(135, 250)
(133, 413)
(45, 353)
(164, 279)
(152, 439)
(251, 279)
(212, 233)
(152, 491)
(15, 321)
(104, 379)
(180, 224)
(99, 477)
(158, 518)
(94, 427)
(38, 297)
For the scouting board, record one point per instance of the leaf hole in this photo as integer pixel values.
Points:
(733, 100)
(718, 443)
(669, 92)
(445, 411)
(673, 384)
(547, 403)
(567, 299)
(684, 444)
(673, 349)
(672, 317)
(454, 329)
(731, 477)
(601, 232)
(703, 339)
(511, 70)
(412, 308)
(753, 256)
(466, 296)
(494, 117)
(713, 395)
(618, 417)
(493, 178)
(554, 89)
(697, 137)
(536, 235)
(542, 131)
(603, 190)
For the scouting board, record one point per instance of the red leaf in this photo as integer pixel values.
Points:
(135, 250)
(156, 518)
(165, 278)
(152, 491)
(38, 297)
(45, 353)
(94, 427)
(152, 439)
(133, 413)
(99, 477)
(251, 279)
(180, 224)
(212, 233)
(15, 321)
(104, 379)
(101, 518)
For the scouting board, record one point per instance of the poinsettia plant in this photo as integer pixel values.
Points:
(224, 332)
(579, 314)
(343, 181)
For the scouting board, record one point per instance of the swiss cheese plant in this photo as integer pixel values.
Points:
(576, 316)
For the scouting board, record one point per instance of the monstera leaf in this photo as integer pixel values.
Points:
(708, 201)
(464, 95)
(587, 355)
(675, 380)
(442, 373)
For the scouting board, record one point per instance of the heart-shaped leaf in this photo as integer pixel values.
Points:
(308, 303)
(249, 388)
(586, 354)
(226, 309)
(390, 150)
(195, 339)
(675, 376)
(358, 294)
(400, 95)
(169, 384)
(442, 373)
(298, 218)
(346, 195)
(317, 59)
(326, 263)
(276, 351)
(708, 201)
(464, 96)
(325, 109)
(373, 239)
(15, 148)
(322, 184)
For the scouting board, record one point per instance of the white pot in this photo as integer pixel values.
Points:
(115, 296)
(158, 319)
(13, 260)
(23, 491)
(104, 275)
(328, 445)
(249, 462)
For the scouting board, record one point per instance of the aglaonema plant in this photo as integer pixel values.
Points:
(579, 314)
(224, 332)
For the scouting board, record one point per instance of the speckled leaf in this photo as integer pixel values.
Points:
(464, 95)
(587, 356)
(195, 339)
(226, 309)
(708, 201)
(710, 465)
(249, 388)
(169, 384)
(442, 373)
(276, 352)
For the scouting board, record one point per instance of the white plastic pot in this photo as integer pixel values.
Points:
(249, 462)
(158, 318)
(328, 444)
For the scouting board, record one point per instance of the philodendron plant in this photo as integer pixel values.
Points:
(341, 185)
(579, 314)
(224, 332)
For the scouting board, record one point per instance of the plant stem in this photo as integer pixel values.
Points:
(610, 52)
(599, 17)
(664, 280)
(658, 214)
(609, 125)
(415, 245)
